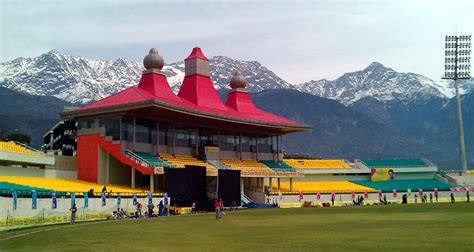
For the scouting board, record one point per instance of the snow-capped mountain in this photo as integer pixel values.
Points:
(70, 78)
(379, 82)
(80, 80)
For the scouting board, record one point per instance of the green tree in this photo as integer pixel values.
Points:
(22, 138)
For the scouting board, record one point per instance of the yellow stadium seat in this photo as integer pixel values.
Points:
(317, 163)
(321, 187)
(18, 149)
(66, 185)
(245, 165)
(179, 161)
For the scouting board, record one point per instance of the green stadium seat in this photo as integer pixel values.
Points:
(391, 163)
(278, 167)
(403, 185)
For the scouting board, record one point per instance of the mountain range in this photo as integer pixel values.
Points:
(371, 113)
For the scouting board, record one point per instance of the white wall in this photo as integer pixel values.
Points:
(63, 205)
(37, 172)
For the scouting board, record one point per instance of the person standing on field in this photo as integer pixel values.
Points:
(73, 210)
(217, 206)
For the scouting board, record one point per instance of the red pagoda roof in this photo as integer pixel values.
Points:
(197, 53)
(197, 96)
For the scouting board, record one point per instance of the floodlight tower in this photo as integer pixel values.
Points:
(457, 67)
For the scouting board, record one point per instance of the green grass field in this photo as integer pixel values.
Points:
(427, 227)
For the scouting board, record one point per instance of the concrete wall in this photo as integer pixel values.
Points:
(373, 197)
(101, 166)
(36, 172)
(63, 205)
(18, 158)
(64, 163)
(119, 173)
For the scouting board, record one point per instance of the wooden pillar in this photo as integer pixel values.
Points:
(242, 186)
(51, 139)
(121, 130)
(270, 181)
(256, 147)
(197, 142)
(240, 146)
(107, 169)
(278, 183)
(134, 131)
(278, 149)
(157, 137)
(262, 184)
(291, 184)
(132, 178)
(152, 182)
(174, 138)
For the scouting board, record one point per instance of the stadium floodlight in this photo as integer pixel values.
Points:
(457, 66)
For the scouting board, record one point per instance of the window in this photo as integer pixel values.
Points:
(112, 127)
(127, 129)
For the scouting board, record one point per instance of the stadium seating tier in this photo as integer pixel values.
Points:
(317, 163)
(63, 185)
(179, 161)
(322, 187)
(403, 185)
(278, 167)
(18, 149)
(250, 165)
(414, 162)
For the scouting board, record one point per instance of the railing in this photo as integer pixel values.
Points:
(140, 160)
(145, 162)
(219, 165)
(28, 147)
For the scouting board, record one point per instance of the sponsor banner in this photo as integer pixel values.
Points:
(211, 149)
(33, 199)
(150, 198)
(135, 199)
(86, 200)
(54, 200)
(119, 199)
(382, 174)
(102, 195)
(73, 198)
(15, 199)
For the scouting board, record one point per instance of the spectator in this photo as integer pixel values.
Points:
(217, 207)
(431, 198)
(416, 198)
(193, 208)
(404, 199)
(467, 196)
(73, 210)
(222, 205)
(151, 206)
(161, 208)
(452, 198)
(332, 199)
(139, 210)
(233, 205)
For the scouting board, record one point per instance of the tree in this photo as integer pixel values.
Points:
(22, 138)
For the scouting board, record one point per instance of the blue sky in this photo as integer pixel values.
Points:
(298, 40)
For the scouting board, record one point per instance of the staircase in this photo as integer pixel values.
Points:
(244, 200)
(148, 159)
(218, 164)
(115, 150)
